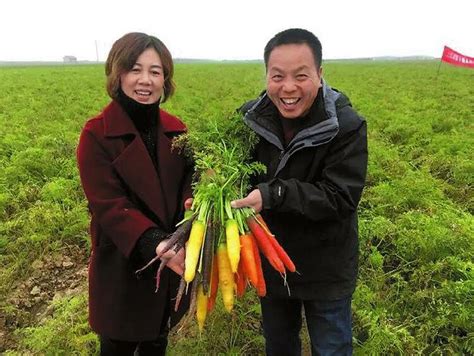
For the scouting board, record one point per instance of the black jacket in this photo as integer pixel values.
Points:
(310, 193)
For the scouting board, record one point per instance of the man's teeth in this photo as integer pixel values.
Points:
(289, 101)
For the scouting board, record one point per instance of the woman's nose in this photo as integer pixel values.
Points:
(145, 78)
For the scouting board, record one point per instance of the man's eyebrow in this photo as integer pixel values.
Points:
(304, 66)
(275, 69)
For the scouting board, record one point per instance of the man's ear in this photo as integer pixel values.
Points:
(320, 73)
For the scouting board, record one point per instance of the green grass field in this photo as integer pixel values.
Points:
(416, 287)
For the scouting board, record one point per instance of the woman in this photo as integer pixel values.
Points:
(136, 187)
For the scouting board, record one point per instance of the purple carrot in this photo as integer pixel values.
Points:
(179, 295)
(194, 288)
(179, 238)
(177, 246)
(207, 256)
(158, 273)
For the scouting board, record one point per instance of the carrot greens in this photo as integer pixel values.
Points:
(223, 245)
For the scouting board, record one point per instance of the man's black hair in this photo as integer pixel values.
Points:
(295, 36)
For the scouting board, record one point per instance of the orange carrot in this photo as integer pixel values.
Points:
(290, 266)
(214, 284)
(248, 259)
(263, 224)
(264, 245)
(240, 281)
(261, 286)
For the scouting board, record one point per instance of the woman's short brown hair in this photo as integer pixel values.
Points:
(124, 54)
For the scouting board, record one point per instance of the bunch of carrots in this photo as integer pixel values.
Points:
(233, 261)
(223, 245)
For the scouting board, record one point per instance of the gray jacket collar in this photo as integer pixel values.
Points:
(313, 136)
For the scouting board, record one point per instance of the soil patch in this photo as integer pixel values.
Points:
(61, 274)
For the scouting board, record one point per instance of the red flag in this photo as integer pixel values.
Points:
(456, 58)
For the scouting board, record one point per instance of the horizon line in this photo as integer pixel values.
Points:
(388, 57)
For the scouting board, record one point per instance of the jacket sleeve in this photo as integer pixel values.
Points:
(119, 219)
(338, 192)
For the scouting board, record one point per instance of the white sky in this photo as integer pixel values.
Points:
(46, 30)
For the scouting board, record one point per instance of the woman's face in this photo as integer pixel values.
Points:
(144, 82)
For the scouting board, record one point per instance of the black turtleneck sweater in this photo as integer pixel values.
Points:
(145, 118)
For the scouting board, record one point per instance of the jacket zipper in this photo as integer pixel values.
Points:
(282, 153)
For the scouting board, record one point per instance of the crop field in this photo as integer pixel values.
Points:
(415, 293)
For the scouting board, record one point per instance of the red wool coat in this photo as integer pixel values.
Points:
(118, 177)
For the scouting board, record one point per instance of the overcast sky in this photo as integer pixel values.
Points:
(46, 30)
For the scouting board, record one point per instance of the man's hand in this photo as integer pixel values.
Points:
(174, 260)
(253, 200)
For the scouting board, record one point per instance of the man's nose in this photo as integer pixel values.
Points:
(289, 85)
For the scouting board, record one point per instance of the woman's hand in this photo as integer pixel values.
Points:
(174, 260)
(188, 203)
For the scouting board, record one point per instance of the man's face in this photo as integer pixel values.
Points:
(293, 81)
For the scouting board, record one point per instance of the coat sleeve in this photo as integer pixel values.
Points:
(117, 216)
(145, 248)
(187, 190)
(338, 192)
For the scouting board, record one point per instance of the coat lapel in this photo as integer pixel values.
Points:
(133, 163)
(172, 164)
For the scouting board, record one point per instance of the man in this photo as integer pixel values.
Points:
(314, 146)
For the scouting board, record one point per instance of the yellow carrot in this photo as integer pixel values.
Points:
(233, 243)
(201, 307)
(226, 277)
(193, 249)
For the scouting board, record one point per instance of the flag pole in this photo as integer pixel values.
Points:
(440, 61)
(439, 66)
